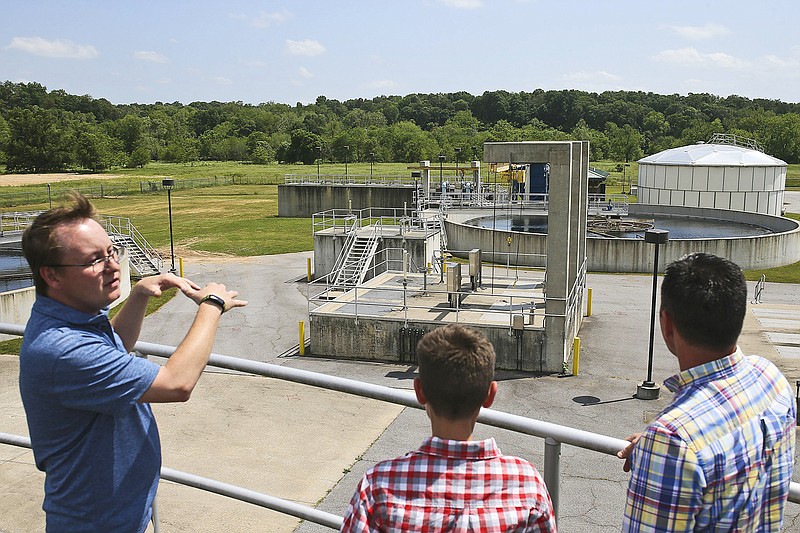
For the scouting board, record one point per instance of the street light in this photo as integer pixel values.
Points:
(371, 162)
(346, 152)
(458, 153)
(624, 177)
(441, 160)
(168, 184)
(648, 390)
(319, 152)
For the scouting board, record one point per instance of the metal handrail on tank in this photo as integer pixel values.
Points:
(554, 434)
(349, 179)
(16, 222)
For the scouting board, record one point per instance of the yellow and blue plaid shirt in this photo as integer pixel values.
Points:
(719, 457)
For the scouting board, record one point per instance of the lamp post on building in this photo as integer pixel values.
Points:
(648, 390)
(346, 152)
(441, 160)
(319, 158)
(625, 177)
(168, 184)
(371, 162)
(458, 154)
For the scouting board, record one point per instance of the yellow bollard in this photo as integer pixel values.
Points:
(308, 267)
(302, 338)
(589, 301)
(576, 355)
(180, 266)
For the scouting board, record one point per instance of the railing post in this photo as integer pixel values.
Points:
(552, 470)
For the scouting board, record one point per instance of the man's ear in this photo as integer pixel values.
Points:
(51, 276)
(419, 392)
(667, 328)
(490, 395)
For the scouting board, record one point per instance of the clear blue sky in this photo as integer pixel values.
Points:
(293, 51)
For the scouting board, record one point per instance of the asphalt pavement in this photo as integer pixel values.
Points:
(312, 446)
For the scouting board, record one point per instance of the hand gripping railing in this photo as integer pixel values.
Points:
(554, 434)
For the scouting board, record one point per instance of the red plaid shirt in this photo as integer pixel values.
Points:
(449, 485)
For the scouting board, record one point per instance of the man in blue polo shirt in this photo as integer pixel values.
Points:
(85, 396)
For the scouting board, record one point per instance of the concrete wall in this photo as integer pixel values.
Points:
(382, 340)
(634, 255)
(15, 306)
(303, 200)
(328, 247)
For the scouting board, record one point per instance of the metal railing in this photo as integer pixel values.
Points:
(341, 220)
(348, 179)
(554, 435)
(122, 226)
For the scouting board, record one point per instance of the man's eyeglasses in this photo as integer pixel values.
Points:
(116, 253)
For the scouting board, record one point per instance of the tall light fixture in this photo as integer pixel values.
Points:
(319, 158)
(441, 160)
(169, 184)
(346, 153)
(648, 390)
(371, 162)
(458, 156)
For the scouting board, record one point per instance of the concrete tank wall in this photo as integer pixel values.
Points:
(634, 255)
(381, 340)
(303, 200)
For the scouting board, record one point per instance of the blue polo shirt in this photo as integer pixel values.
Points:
(98, 447)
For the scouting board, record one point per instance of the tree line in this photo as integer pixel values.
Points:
(44, 131)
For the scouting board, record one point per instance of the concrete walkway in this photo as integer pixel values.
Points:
(312, 446)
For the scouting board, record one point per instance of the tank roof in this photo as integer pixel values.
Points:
(706, 154)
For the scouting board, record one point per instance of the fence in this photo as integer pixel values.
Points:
(554, 434)
(47, 194)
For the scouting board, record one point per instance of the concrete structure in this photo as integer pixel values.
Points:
(720, 175)
(340, 330)
(303, 198)
(782, 247)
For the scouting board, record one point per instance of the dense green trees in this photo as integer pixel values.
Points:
(43, 130)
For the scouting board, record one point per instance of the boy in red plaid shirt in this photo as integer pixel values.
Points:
(452, 483)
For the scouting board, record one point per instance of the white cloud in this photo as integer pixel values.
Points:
(264, 19)
(60, 48)
(305, 73)
(463, 4)
(709, 31)
(306, 47)
(693, 57)
(598, 75)
(152, 57)
(381, 84)
(775, 61)
(221, 80)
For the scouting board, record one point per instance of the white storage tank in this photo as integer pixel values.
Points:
(728, 172)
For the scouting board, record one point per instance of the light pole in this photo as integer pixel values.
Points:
(371, 162)
(169, 184)
(346, 152)
(441, 160)
(625, 177)
(319, 158)
(648, 390)
(458, 153)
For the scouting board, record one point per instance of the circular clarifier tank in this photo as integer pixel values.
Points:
(753, 240)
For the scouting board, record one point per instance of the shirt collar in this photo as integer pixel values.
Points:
(704, 372)
(461, 449)
(56, 309)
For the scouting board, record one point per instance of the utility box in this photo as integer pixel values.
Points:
(454, 283)
(475, 268)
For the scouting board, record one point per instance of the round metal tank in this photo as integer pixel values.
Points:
(714, 175)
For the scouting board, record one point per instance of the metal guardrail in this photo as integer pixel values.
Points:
(347, 179)
(554, 434)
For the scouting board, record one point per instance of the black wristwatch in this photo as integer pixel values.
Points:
(214, 299)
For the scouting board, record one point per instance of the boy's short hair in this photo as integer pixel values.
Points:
(456, 368)
(40, 243)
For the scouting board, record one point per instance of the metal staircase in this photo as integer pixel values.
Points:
(144, 259)
(357, 260)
